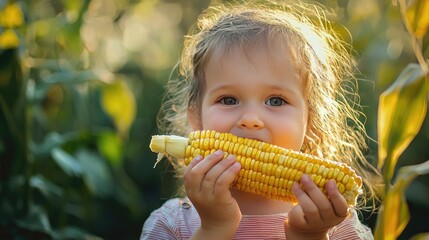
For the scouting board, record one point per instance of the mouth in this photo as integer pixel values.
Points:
(256, 138)
(251, 136)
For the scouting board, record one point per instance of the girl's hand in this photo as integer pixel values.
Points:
(315, 213)
(207, 184)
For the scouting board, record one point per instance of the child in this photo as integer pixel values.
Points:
(263, 71)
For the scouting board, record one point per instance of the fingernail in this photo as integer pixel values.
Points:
(237, 164)
(196, 159)
(218, 153)
(296, 188)
(305, 178)
(331, 184)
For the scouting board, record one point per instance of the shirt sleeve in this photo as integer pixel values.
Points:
(161, 224)
(177, 219)
(352, 229)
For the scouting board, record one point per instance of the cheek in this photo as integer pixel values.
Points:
(288, 133)
(214, 119)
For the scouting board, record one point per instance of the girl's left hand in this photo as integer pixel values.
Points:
(315, 213)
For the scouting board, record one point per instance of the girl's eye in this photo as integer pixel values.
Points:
(275, 101)
(228, 101)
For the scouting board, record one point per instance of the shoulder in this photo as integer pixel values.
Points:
(170, 206)
(351, 228)
(173, 220)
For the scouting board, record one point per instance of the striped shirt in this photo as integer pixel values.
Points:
(178, 219)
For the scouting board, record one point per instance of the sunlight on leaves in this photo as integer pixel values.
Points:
(11, 16)
(67, 162)
(96, 173)
(393, 221)
(51, 141)
(9, 39)
(72, 9)
(119, 103)
(110, 146)
(401, 112)
(46, 187)
(43, 28)
(36, 220)
(418, 16)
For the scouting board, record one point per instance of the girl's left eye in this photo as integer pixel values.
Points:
(275, 101)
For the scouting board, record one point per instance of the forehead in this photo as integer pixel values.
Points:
(274, 53)
(268, 50)
(259, 67)
(277, 44)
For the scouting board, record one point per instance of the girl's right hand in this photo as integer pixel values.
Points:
(207, 184)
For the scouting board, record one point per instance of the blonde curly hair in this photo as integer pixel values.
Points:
(321, 58)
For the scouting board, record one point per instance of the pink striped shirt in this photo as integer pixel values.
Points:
(177, 219)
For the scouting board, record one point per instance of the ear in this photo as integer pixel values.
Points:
(194, 118)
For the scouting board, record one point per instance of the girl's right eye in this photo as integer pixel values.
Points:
(228, 101)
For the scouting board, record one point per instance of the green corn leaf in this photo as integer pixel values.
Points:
(96, 173)
(111, 147)
(36, 220)
(49, 189)
(67, 162)
(11, 16)
(51, 141)
(402, 109)
(394, 215)
(119, 103)
(418, 16)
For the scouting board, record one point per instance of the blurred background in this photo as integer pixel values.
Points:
(80, 86)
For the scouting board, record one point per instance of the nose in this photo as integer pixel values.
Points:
(251, 120)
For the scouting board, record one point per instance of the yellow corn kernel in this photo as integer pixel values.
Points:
(267, 170)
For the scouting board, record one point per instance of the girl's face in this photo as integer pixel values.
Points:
(254, 94)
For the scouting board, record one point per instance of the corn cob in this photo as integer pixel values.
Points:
(266, 169)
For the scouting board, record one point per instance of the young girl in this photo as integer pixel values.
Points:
(264, 71)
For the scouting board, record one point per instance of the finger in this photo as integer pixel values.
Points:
(313, 199)
(339, 203)
(198, 172)
(224, 181)
(324, 206)
(187, 174)
(211, 178)
(194, 162)
(309, 209)
(208, 162)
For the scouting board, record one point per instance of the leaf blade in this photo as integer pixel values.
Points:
(418, 17)
(390, 224)
(401, 112)
(119, 103)
(67, 162)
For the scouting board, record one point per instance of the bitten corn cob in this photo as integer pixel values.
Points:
(266, 169)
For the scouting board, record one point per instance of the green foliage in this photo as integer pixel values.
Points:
(62, 158)
(392, 223)
(81, 83)
(402, 110)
